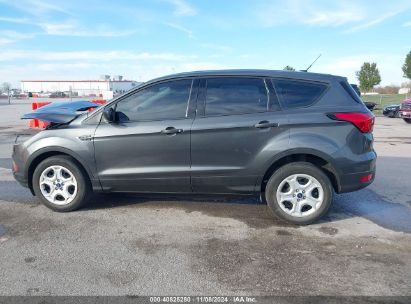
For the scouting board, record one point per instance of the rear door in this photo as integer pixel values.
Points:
(238, 127)
(148, 149)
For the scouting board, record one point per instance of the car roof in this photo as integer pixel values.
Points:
(252, 72)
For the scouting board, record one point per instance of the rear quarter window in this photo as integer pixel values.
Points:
(296, 93)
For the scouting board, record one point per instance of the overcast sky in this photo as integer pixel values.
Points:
(44, 39)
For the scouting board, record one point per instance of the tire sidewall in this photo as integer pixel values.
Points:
(298, 168)
(82, 185)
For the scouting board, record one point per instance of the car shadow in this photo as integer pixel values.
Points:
(247, 209)
(251, 211)
(393, 216)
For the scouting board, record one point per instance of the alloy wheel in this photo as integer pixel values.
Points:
(300, 195)
(58, 185)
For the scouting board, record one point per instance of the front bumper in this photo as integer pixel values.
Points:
(19, 157)
(405, 114)
(21, 179)
(389, 112)
(18, 171)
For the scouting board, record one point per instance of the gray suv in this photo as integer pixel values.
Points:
(293, 138)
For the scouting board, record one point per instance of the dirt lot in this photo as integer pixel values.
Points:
(157, 245)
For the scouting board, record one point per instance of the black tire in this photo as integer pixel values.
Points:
(298, 168)
(83, 183)
(407, 120)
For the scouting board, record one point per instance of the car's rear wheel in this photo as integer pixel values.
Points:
(61, 184)
(407, 120)
(299, 193)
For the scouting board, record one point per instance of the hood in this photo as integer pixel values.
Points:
(60, 112)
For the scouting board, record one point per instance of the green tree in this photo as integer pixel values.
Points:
(288, 68)
(368, 76)
(406, 68)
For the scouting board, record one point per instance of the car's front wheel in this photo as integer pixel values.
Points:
(407, 120)
(299, 193)
(61, 184)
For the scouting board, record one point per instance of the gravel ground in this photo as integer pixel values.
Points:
(191, 245)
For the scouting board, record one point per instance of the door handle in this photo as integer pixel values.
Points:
(265, 124)
(171, 130)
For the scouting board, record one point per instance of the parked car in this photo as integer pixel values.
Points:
(405, 110)
(370, 105)
(44, 95)
(293, 138)
(58, 95)
(392, 111)
(356, 89)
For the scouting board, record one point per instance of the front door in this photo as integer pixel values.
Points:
(148, 148)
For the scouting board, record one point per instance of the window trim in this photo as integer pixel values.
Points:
(202, 96)
(188, 114)
(282, 103)
(273, 96)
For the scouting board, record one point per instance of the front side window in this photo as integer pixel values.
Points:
(230, 95)
(167, 100)
(295, 93)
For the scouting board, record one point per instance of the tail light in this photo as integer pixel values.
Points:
(363, 121)
(366, 178)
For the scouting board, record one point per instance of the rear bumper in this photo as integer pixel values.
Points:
(350, 182)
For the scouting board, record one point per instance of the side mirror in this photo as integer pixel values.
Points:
(109, 115)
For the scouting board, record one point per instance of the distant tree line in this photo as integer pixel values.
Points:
(288, 68)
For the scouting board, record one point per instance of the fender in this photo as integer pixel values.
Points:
(94, 181)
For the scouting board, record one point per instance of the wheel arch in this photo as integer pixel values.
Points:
(43, 154)
(314, 157)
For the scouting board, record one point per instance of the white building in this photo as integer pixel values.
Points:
(404, 91)
(78, 87)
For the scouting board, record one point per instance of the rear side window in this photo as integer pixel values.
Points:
(295, 93)
(230, 95)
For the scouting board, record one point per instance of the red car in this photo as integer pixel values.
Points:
(405, 110)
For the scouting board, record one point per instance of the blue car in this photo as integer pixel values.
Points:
(392, 111)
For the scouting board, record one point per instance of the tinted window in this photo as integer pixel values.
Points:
(235, 96)
(166, 100)
(294, 93)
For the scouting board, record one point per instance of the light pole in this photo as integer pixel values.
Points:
(8, 95)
